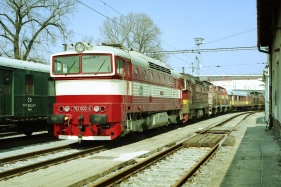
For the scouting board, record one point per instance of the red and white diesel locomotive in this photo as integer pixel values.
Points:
(103, 92)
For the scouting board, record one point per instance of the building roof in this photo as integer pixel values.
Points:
(267, 11)
(229, 77)
(238, 93)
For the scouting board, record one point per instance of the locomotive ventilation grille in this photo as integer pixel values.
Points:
(159, 68)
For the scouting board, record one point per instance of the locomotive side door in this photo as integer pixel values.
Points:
(5, 93)
(128, 77)
(123, 68)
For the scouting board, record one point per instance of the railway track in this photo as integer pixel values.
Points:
(175, 165)
(8, 130)
(28, 166)
(10, 142)
(5, 134)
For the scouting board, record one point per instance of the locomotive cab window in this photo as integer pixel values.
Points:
(29, 85)
(89, 64)
(96, 64)
(128, 67)
(66, 64)
(120, 66)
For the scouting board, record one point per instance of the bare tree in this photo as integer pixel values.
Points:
(29, 27)
(136, 31)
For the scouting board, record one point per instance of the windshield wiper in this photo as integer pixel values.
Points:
(72, 65)
(100, 66)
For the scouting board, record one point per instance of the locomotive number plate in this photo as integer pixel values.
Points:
(81, 108)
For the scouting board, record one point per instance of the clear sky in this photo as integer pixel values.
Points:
(222, 24)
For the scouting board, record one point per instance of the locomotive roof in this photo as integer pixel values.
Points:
(27, 65)
(191, 78)
(137, 58)
(148, 62)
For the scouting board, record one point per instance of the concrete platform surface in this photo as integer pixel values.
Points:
(255, 159)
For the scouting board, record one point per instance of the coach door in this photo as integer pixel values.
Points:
(5, 93)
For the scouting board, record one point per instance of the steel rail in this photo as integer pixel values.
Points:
(205, 130)
(24, 140)
(24, 169)
(208, 156)
(201, 162)
(33, 154)
(118, 177)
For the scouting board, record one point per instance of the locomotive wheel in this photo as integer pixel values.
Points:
(26, 129)
(28, 132)
(50, 129)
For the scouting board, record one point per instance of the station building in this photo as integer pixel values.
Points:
(269, 42)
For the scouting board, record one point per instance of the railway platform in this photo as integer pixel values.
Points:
(254, 159)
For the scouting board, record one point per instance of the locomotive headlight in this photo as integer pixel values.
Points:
(79, 47)
(96, 108)
(67, 108)
(102, 108)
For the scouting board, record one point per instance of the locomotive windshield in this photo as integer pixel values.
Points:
(96, 64)
(89, 64)
(66, 64)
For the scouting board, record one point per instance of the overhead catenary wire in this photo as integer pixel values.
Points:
(141, 27)
(189, 63)
(202, 50)
(123, 26)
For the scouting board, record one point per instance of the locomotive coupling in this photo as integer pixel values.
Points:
(80, 118)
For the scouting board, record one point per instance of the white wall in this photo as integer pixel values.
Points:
(276, 71)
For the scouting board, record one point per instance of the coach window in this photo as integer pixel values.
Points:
(29, 86)
(6, 83)
(51, 87)
(120, 66)
(158, 78)
(144, 74)
(151, 76)
(164, 79)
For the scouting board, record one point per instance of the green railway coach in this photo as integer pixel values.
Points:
(27, 94)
